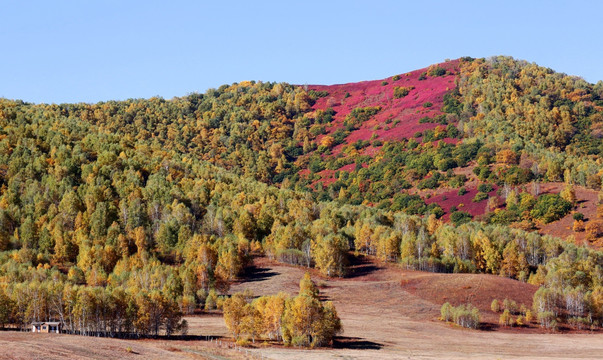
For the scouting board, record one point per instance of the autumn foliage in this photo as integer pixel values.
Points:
(118, 218)
(302, 320)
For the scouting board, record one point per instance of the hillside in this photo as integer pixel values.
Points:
(382, 142)
(563, 142)
(158, 206)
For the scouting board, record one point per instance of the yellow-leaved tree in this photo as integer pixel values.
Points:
(307, 321)
(302, 320)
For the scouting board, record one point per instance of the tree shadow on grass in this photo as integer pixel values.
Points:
(253, 273)
(486, 326)
(360, 266)
(354, 343)
(191, 337)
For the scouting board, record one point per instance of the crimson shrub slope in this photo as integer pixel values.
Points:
(404, 112)
(398, 116)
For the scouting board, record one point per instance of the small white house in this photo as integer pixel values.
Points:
(36, 326)
(46, 327)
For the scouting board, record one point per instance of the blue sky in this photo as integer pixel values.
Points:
(89, 51)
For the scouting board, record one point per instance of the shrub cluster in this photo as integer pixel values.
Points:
(465, 315)
(402, 91)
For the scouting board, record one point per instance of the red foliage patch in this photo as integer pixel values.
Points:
(398, 118)
(452, 198)
(348, 168)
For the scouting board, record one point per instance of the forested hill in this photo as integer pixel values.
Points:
(147, 202)
(372, 142)
(472, 131)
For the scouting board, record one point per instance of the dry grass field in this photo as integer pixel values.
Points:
(387, 313)
(21, 346)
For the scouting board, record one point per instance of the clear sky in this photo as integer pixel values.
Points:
(89, 51)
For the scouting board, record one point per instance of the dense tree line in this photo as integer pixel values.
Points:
(91, 310)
